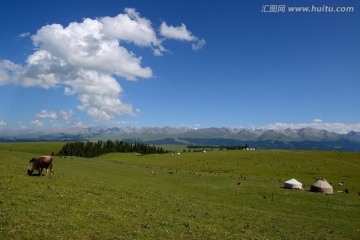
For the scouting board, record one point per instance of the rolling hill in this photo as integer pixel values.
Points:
(304, 138)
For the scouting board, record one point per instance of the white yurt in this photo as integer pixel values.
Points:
(293, 184)
(321, 185)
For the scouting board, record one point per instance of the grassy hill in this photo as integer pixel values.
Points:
(213, 195)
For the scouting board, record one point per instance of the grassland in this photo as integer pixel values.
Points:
(213, 195)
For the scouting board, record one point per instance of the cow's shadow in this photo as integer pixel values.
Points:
(35, 175)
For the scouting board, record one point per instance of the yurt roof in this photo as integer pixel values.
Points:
(321, 183)
(293, 184)
(293, 181)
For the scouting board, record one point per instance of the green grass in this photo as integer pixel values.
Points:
(191, 195)
(42, 148)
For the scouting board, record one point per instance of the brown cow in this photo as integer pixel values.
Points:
(39, 164)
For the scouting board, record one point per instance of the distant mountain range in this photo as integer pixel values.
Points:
(301, 139)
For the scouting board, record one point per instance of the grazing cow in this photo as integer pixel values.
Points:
(39, 164)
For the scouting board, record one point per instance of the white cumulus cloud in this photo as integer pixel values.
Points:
(23, 35)
(2, 123)
(130, 27)
(198, 45)
(317, 120)
(87, 59)
(181, 33)
(63, 115)
(178, 33)
(37, 123)
(47, 115)
(55, 116)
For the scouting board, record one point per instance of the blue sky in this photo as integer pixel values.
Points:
(179, 63)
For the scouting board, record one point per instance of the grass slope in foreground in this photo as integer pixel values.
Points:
(213, 195)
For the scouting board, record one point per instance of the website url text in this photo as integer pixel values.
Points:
(308, 9)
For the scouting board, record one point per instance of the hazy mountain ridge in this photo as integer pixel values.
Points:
(304, 138)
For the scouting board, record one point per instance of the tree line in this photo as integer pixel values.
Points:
(93, 149)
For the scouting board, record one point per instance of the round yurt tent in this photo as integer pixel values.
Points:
(321, 185)
(293, 184)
